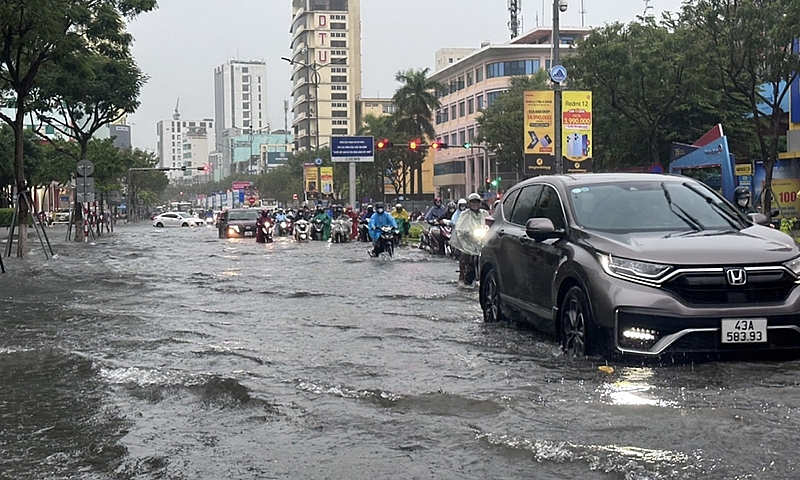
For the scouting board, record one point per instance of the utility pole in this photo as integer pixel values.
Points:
(558, 7)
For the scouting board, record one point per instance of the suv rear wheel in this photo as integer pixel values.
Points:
(490, 298)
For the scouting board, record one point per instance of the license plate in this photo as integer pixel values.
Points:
(744, 330)
(248, 234)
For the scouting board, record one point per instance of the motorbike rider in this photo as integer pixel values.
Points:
(367, 213)
(354, 220)
(326, 222)
(451, 210)
(379, 219)
(401, 216)
(462, 205)
(436, 211)
(465, 239)
(741, 198)
(264, 219)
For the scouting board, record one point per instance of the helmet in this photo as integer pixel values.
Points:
(741, 192)
(369, 208)
(399, 206)
(379, 206)
(451, 206)
(462, 201)
(437, 201)
(474, 196)
(349, 208)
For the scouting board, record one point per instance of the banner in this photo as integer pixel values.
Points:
(539, 131)
(576, 121)
(326, 180)
(310, 179)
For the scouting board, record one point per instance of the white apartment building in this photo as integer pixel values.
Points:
(185, 143)
(473, 82)
(326, 73)
(240, 103)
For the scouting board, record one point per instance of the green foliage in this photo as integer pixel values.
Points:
(415, 231)
(416, 100)
(6, 214)
(787, 224)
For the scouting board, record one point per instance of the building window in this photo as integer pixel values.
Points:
(453, 139)
(462, 137)
(508, 69)
(338, 44)
(449, 168)
(338, 96)
(339, 113)
(470, 135)
(338, 26)
(491, 96)
(338, 87)
(339, 131)
(479, 74)
(454, 111)
(479, 101)
(246, 123)
(460, 83)
(245, 88)
(245, 114)
(246, 97)
(339, 78)
(389, 108)
(470, 106)
(445, 115)
(450, 60)
(338, 105)
(469, 79)
(245, 70)
(246, 106)
(245, 78)
(339, 122)
(339, 61)
(461, 109)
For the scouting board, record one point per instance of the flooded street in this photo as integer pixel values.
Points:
(169, 353)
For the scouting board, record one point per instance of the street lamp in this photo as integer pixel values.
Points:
(559, 6)
(316, 79)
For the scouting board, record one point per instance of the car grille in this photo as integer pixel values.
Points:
(704, 288)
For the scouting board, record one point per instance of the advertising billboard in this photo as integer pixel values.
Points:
(576, 121)
(539, 113)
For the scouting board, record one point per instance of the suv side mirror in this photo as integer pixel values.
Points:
(540, 229)
(757, 218)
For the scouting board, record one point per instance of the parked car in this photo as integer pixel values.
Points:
(640, 265)
(61, 215)
(238, 222)
(175, 219)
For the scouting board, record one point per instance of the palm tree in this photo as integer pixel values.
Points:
(416, 99)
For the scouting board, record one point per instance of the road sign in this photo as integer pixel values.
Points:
(352, 149)
(294, 196)
(318, 161)
(85, 168)
(84, 183)
(84, 197)
(114, 197)
(558, 73)
(251, 200)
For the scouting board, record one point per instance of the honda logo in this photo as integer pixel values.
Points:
(736, 276)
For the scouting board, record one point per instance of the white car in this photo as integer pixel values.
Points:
(175, 219)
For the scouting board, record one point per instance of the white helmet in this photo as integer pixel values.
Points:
(462, 201)
(474, 196)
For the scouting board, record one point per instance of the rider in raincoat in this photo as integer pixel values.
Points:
(467, 239)
(326, 221)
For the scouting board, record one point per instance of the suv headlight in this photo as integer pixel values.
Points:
(633, 269)
(794, 266)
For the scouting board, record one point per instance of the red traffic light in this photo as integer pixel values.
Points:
(488, 180)
(438, 145)
(383, 144)
(414, 144)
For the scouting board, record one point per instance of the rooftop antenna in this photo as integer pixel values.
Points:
(514, 7)
(583, 14)
(176, 115)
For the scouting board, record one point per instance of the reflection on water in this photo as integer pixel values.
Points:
(633, 387)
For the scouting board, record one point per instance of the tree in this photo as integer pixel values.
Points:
(750, 48)
(502, 124)
(416, 99)
(34, 36)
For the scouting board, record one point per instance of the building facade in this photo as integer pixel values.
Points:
(326, 70)
(186, 143)
(473, 82)
(259, 152)
(240, 104)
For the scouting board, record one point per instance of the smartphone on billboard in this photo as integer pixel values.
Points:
(546, 141)
(534, 140)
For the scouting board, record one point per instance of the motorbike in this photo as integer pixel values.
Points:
(317, 228)
(302, 230)
(284, 227)
(471, 274)
(386, 240)
(265, 229)
(436, 238)
(363, 230)
(340, 229)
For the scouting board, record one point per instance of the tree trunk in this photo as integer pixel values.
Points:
(19, 175)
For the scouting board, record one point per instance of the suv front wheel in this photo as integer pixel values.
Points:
(576, 323)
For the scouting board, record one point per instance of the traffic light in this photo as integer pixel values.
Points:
(183, 168)
(204, 168)
(414, 144)
(488, 181)
(383, 144)
(496, 182)
(437, 145)
(467, 145)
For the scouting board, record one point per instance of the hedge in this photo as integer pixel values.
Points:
(6, 214)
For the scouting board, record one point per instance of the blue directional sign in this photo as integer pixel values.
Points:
(352, 149)
(558, 73)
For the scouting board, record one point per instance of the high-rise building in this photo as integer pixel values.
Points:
(185, 143)
(240, 104)
(326, 73)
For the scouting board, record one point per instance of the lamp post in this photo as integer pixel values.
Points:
(559, 6)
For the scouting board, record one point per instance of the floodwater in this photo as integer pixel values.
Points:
(169, 353)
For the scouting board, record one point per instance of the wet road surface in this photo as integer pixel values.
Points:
(169, 353)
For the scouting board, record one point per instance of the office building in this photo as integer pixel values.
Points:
(473, 82)
(240, 104)
(326, 70)
(185, 143)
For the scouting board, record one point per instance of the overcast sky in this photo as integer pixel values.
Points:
(179, 44)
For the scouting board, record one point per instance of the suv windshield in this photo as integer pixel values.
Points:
(243, 215)
(652, 206)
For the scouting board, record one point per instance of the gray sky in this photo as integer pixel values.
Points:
(179, 44)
